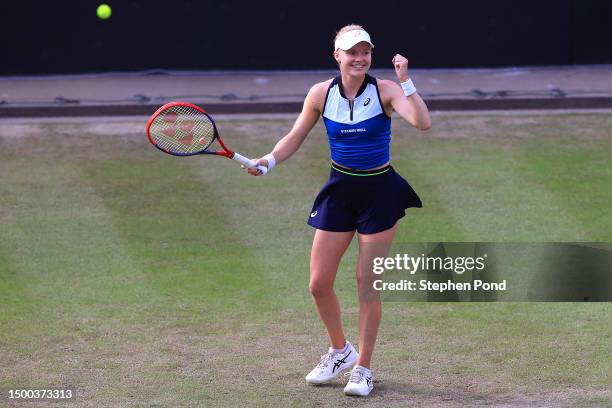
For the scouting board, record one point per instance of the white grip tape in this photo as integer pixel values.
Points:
(249, 163)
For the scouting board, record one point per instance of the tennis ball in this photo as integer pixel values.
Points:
(104, 11)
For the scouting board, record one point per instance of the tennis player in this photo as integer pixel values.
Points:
(364, 194)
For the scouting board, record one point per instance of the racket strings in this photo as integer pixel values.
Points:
(183, 130)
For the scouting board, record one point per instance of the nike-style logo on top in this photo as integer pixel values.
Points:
(340, 361)
(367, 101)
(314, 214)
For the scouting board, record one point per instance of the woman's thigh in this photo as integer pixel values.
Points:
(327, 250)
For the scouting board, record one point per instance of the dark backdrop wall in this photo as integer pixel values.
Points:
(46, 37)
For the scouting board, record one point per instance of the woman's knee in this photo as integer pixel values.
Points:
(320, 288)
(366, 290)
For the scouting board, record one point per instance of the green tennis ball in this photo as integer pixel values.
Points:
(104, 11)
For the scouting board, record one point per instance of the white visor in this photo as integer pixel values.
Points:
(348, 40)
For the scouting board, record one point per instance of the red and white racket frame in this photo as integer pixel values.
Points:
(226, 152)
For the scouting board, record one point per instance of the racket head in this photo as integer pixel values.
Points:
(182, 129)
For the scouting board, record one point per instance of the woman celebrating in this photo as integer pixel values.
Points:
(364, 194)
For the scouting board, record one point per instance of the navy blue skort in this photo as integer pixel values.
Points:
(367, 201)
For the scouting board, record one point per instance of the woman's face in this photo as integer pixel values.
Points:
(355, 61)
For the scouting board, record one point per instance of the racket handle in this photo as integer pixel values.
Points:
(249, 163)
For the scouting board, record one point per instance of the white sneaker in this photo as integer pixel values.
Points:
(332, 364)
(360, 382)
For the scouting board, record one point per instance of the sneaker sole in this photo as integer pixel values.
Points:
(335, 375)
(356, 394)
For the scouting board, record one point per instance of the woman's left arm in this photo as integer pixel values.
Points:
(412, 108)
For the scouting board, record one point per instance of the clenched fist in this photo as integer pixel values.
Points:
(401, 67)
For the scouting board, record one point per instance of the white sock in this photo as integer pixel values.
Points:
(342, 350)
(367, 370)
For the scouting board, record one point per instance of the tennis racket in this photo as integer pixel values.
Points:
(184, 129)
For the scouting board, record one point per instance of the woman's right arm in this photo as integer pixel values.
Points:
(288, 145)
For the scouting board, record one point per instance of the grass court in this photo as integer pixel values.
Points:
(142, 279)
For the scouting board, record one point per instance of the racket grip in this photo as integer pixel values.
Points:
(249, 163)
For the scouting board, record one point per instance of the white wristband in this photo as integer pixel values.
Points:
(271, 160)
(408, 87)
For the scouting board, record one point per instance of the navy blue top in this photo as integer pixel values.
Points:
(359, 130)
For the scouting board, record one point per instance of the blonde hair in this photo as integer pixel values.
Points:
(347, 28)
